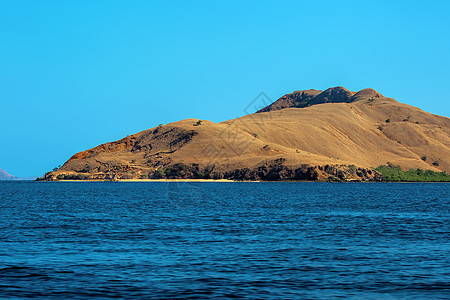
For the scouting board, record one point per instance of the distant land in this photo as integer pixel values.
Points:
(5, 176)
(331, 135)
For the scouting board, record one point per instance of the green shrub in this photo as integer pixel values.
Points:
(424, 158)
(352, 169)
(177, 170)
(160, 173)
(388, 121)
(395, 173)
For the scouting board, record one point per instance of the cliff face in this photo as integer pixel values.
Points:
(306, 135)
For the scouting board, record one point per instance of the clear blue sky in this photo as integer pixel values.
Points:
(75, 74)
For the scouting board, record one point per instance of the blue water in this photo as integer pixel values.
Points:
(208, 240)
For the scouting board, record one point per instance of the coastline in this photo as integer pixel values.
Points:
(177, 180)
(225, 181)
(149, 180)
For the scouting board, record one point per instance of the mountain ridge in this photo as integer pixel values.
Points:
(306, 98)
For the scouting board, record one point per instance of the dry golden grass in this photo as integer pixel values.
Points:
(331, 133)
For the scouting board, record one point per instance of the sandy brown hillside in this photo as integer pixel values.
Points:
(337, 134)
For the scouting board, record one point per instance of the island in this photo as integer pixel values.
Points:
(307, 135)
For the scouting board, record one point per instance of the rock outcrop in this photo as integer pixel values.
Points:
(301, 99)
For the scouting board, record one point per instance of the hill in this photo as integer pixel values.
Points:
(5, 176)
(306, 135)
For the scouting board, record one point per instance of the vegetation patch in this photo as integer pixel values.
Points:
(395, 173)
(160, 173)
(72, 177)
(352, 169)
(175, 171)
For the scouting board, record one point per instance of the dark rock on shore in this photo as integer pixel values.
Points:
(274, 171)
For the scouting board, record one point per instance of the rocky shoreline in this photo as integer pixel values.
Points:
(267, 172)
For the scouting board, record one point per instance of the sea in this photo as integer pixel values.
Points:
(243, 240)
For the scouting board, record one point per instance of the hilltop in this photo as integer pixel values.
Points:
(306, 98)
(334, 134)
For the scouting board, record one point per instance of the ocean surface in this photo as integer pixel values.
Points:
(231, 240)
